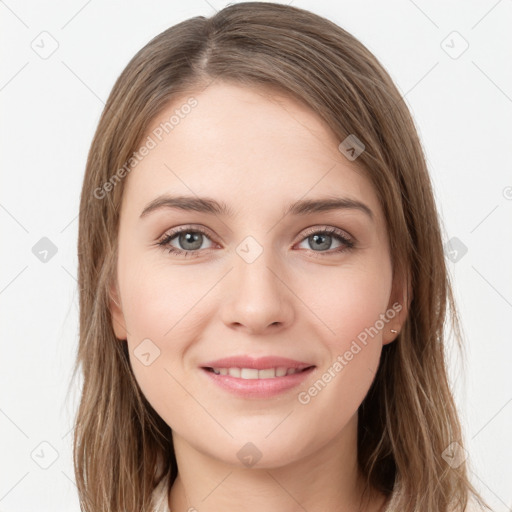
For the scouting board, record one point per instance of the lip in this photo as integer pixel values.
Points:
(257, 388)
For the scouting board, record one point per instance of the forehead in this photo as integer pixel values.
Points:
(259, 146)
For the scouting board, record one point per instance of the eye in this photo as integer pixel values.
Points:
(322, 239)
(190, 239)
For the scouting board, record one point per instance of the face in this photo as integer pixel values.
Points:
(262, 279)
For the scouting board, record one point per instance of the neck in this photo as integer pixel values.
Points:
(328, 479)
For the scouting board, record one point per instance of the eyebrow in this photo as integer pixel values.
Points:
(213, 207)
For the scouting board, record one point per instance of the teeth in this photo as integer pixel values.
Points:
(248, 373)
(233, 372)
(266, 374)
(252, 373)
(281, 371)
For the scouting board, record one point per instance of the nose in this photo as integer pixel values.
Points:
(258, 296)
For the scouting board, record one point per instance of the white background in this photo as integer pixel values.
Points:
(50, 108)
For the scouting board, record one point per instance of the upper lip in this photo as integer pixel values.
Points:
(256, 363)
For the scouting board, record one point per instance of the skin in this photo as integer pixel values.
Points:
(256, 150)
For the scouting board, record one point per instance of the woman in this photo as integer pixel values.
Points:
(262, 281)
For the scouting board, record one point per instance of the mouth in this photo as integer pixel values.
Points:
(255, 374)
(254, 383)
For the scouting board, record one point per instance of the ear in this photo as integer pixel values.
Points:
(116, 312)
(398, 307)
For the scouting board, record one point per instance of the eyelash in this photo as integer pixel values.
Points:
(338, 234)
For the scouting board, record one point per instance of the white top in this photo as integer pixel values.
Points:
(159, 497)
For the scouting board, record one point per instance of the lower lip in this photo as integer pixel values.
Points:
(258, 388)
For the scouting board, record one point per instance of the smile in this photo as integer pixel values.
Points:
(252, 383)
(253, 373)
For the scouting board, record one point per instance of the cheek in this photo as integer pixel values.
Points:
(353, 315)
(164, 310)
(351, 312)
(348, 300)
(159, 296)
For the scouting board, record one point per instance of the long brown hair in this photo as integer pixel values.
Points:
(122, 448)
